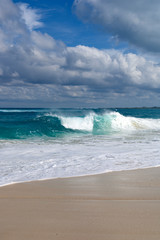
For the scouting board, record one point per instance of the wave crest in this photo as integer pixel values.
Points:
(55, 125)
(107, 122)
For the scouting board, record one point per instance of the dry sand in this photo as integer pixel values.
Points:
(114, 206)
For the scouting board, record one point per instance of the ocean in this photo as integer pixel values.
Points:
(38, 144)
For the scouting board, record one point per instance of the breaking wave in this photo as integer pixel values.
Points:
(54, 125)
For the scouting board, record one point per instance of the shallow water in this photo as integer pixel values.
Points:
(50, 143)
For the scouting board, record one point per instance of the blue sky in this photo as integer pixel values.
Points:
(61, 22)
(81, 53)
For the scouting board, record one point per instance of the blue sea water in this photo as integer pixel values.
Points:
(50, 143)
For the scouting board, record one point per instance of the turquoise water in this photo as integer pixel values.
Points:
(41, 123)
(50, 143)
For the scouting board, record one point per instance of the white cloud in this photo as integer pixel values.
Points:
(34, 66)
(1, 72)
(15, 74)
(134, 21)
(30, 16)
(43, 41)
(3, 46)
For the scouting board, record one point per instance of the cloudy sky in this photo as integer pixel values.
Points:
(82, 53)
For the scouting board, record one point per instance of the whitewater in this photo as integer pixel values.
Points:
(38, 144)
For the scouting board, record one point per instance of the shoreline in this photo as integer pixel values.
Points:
(123, 205)
(79, 176)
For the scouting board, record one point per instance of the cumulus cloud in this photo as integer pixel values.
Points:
(134, 21)
(36, 67)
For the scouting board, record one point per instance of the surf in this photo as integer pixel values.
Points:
(58, 123)
(110, 121)
(51, 143)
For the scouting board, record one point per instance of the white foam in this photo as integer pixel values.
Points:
(108, 122)
(26, 160)
(76, 156)
(120, 122)
(78, 123)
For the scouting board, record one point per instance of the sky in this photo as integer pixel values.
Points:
(79, 53)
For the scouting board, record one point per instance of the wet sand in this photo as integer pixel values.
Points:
(114, 206)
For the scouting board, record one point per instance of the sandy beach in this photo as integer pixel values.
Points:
(114, 206)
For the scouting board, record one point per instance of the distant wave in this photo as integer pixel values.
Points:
(25, 110)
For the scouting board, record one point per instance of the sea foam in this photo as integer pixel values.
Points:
(110, 121)
(42, 144)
